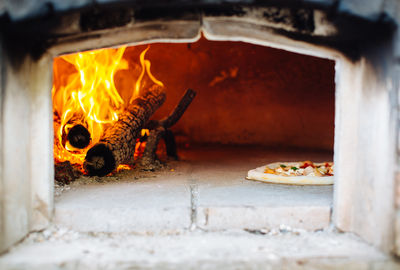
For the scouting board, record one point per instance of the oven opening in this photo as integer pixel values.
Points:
(118, 167)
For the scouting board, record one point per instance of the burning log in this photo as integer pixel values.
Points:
(78, 136)
(160, 129)
(118, 143)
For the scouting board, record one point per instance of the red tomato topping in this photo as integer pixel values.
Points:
(306, 164)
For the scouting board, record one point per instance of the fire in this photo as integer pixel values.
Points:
(84, 93)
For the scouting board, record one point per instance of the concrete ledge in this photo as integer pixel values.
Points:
(63, 249)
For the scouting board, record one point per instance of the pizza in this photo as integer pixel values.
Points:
(295, 173)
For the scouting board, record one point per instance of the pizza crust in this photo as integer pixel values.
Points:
(258, 174)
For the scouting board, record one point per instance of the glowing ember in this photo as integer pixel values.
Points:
(123, 167)
(84, 93)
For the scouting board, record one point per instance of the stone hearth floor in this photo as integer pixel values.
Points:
(206, 189)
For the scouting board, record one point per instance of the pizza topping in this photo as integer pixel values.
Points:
(306, 164)
(306, 168)
(267, 170)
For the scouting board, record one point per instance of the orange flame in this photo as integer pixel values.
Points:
(88, 96)
(145, 67)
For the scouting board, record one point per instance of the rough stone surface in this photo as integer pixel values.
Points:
(367, 9)
(323, 3)
(149, 32)
(58, 248)
(397, 233)
(41, 143)
(397, 190)
(19, 10)
(26, 152)
(364, 189)
(392, 8)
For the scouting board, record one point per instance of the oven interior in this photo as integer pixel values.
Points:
(254, 105)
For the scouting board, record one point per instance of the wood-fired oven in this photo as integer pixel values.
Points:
(275, 79)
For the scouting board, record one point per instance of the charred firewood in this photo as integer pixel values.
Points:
(160, 129)
(170, 144)
(176, 114)
(174, 117)
(65, 173)
(148, 162)
(118, 143)
(78, 136)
